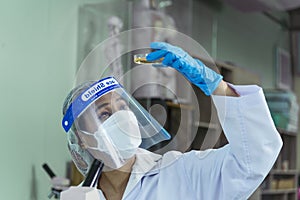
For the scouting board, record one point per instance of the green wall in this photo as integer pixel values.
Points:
(38, 62)
(247, 39)
(38, 47)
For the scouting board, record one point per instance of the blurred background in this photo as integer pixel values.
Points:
(43, 43)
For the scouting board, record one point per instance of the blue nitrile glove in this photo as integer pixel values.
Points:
(194, 70)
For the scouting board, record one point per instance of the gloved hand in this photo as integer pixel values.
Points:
(193, 69)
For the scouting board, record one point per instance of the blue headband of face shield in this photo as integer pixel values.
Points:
(152, 132)
(86, 98)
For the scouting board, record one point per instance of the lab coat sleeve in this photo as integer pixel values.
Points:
(236, 170)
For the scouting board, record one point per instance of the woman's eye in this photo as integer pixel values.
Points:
(104, 116)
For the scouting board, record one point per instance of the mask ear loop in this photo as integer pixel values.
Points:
(87, 139)
(81, 144)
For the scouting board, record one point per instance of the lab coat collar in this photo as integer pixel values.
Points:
(146, 163)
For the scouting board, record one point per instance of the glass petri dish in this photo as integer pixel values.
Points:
(141, 59)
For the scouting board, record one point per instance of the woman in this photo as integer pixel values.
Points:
(114, 128)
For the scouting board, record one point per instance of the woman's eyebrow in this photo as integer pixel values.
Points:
(101, 106)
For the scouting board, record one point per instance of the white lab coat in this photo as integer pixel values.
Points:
(228, 173)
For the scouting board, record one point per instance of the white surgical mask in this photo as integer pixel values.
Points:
(116, 140)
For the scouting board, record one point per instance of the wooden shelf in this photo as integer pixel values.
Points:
(279, 191)
(285, 132)
(284, 172)
(180, 105)
(207, 125)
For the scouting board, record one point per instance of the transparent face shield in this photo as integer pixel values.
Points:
(81, 157)
(111, 123)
